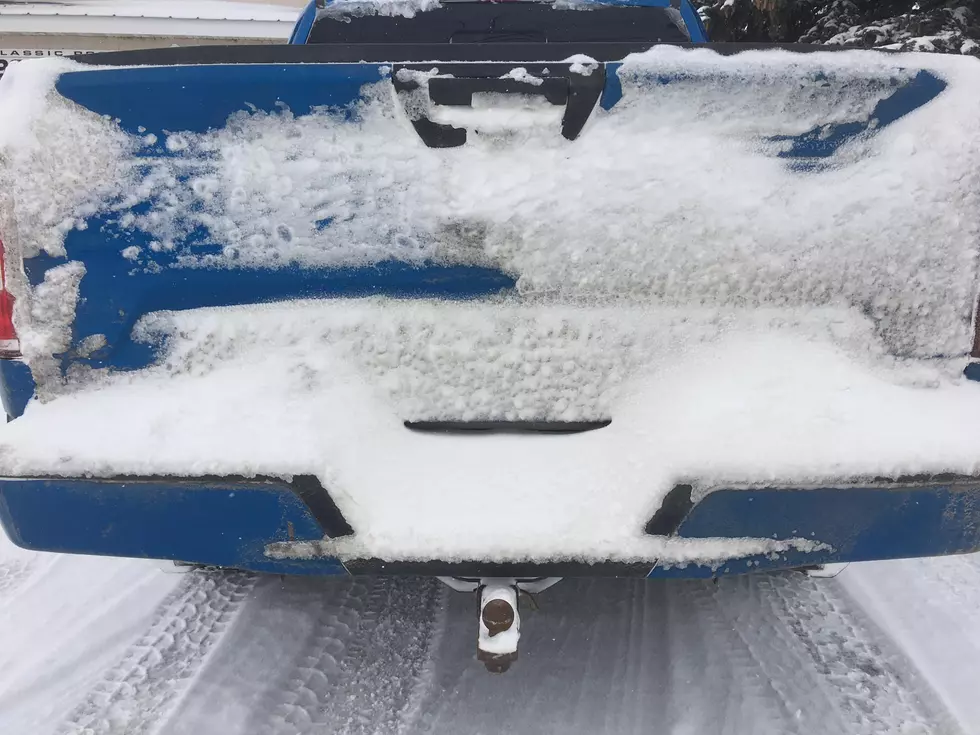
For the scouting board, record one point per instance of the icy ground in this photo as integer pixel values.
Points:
(100, 646)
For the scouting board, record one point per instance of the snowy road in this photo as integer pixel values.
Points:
(118, 646)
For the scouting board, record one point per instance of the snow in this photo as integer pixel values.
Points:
(706, 389)
(582, 64)
(746, 399)
(521, 74)
(856, 23)
(930, 607)
(63, 620)
(107, 646)
(52, 306)
(492, 113)
(673, 197)
(404, 8)
(50, 181)
(745, 338)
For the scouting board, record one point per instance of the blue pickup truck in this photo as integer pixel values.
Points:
(492, 291)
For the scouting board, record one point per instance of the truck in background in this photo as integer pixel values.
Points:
(31, 30)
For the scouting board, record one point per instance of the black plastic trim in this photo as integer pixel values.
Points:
(459, 91)
(479, 569)
(558, 84)
(321, 505)
(672, 512)
(507, 427)
(409, 53)
(462, 23)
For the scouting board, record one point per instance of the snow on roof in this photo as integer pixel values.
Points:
(404, 8)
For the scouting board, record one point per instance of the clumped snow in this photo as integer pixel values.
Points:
(582, 64)
(738, 319)
(501, 113)
(321, 388)
(404, 8)
(58, 161)
(944, 26)
(434, 361)
(631, 211)
(520, 74)
(52, 310)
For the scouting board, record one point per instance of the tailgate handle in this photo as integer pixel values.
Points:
(578, 92)
(459, 92)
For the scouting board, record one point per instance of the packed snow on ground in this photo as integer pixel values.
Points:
(109, 646)
(743, 338)
(63, 622)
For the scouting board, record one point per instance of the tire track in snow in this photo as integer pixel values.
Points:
(606, 656)
(424, 682)
(139, 692)
(754, 654)
(952, 584)
(930, 609)
(775, 655)
(364, 663)
(869, 690)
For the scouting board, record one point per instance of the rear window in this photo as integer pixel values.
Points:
(512, 22)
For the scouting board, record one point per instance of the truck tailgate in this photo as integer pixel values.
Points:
(504, 310)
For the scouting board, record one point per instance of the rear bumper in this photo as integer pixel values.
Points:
(237, 522)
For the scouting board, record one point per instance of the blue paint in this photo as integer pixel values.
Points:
(693, 22)
(304, 24)
(222, 523)
(229, 522)
(972, 371)
(115, 292)
(16, 386)
(112, 297)
(171, 98)
(825, 140)
(612, 92)
(807, 149)
(860, 523)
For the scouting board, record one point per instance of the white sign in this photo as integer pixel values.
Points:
(8, 56)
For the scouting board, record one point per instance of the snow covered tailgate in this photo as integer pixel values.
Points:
(724, 327)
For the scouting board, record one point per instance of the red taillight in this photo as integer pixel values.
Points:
(976, 333)
(9, 344)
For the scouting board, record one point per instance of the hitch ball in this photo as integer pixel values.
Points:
(500, 625)
(498, 616)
